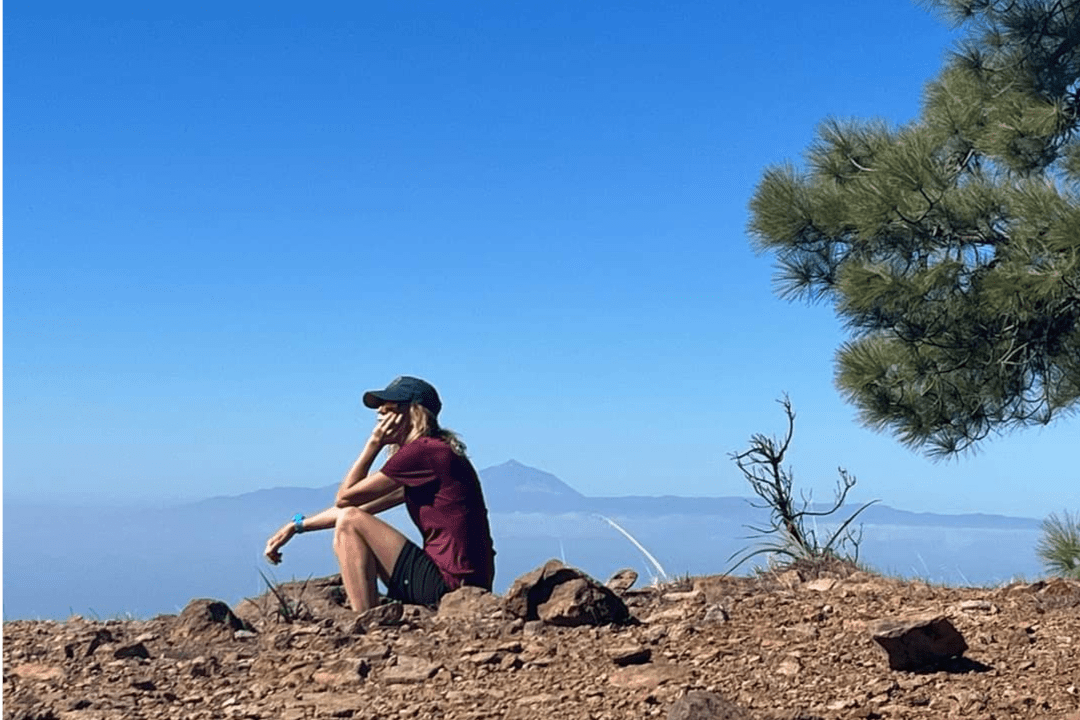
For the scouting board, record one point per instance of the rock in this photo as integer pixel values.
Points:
(484, 657)
(344, 671)
(647, 677)
(918, 642)
(789, 578)
(788, 667)
(821, 584)
(136, 650)
(698, 705)
(410, 670)
(978, 606)
(655, 633)
(204, 667)
(692, 596)
(206, 618)
(416, 614)
(716, 614)
(468, 602)
(101, 637)
(622, 580)
(534, 587)
(371, 653)
(385, 615)
(562, 595)
(629, 654)
(38, 671)
(670, 615)
(582, 601)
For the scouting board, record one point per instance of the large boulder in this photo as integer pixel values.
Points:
(207, 619)
(919, 642)
(562, 595)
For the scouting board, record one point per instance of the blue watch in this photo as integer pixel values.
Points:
(298, 522)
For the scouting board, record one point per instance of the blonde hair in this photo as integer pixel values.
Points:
(424, 424)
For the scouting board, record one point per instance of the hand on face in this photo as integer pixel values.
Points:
(390, 426)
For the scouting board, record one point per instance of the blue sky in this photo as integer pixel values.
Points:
(223, 226)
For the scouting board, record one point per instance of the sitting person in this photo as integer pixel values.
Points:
(429, 472)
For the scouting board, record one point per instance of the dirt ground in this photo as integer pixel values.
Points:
(776, 646)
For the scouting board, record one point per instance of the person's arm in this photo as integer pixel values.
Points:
(369, 490)
(326, 519)
(373, 497)
(389, 500)
(379, 438)
(362, 466)
(322, 520)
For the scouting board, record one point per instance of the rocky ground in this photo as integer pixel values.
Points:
(793, 645)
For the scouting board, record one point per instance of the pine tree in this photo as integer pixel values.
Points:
(950, 246)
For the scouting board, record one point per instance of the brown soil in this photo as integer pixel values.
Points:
(778, 646)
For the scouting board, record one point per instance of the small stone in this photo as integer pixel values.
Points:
(648, 677)
(698, 705)
(716, 614)
(385, 615)
(691, 596)
(789, 667)
(101, 637)
(38, 671)
(137, 650)
(670, 615)
(790, 578)
(622, 580)
(629, 654)
(484, 657)
(655, 633)
(821, 584)
(410, 670)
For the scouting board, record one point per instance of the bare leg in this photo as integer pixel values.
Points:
(366, 548)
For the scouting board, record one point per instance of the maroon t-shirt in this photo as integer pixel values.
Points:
(442, 494)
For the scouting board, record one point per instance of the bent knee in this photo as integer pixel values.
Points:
(350, 520)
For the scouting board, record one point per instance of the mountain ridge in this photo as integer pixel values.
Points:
(142, 561)
(512, 486)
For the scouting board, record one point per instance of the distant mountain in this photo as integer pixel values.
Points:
(145, 561)
(515, 487)
(885, 515)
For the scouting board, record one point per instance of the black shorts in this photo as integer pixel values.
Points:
(416, 579)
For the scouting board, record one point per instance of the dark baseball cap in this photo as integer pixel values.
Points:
(405, 389)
